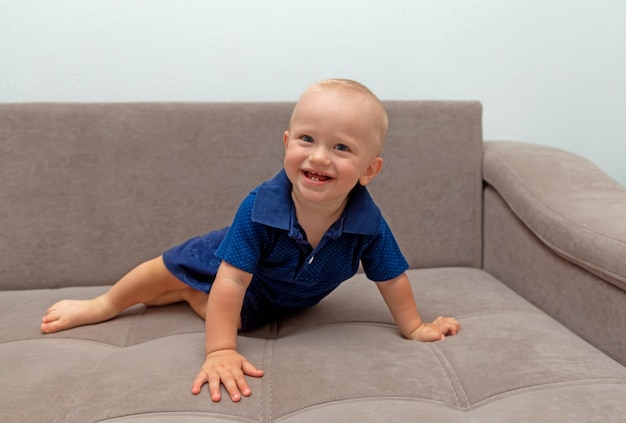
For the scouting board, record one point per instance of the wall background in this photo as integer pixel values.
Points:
(548, 72)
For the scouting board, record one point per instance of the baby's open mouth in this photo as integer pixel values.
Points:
(314, 176)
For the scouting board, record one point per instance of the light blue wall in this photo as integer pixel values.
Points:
(549, 72)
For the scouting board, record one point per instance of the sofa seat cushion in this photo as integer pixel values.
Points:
(342, 360)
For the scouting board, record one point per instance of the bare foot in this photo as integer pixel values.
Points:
(68, 314)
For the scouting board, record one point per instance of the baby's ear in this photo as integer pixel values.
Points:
(285, 138)
(374, 168)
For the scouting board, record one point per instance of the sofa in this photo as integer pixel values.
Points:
(524, 244)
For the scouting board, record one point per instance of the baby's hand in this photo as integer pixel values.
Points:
(437, 330)
(229, 368)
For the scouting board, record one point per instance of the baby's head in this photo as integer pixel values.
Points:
(334, 140)
(370, 109)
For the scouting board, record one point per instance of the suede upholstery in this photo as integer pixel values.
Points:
(530, 260)
(591, 204)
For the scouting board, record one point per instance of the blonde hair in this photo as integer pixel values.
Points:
(349, 86)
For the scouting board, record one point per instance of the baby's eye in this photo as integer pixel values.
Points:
(307, 138)
(342, 147)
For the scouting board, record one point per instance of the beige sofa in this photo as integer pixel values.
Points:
(525, 245)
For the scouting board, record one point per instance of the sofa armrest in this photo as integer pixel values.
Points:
(571, 205)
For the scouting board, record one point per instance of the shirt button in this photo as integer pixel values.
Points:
(311, 259)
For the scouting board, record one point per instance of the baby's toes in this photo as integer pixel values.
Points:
(45, 327)
(49, 321)
(51, 315)
(50, 326)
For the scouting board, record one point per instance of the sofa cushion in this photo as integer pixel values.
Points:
(342, 360)
(434, 172)
(91, 190)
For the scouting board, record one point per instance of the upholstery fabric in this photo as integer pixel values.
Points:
(558, 194)
(561, 288)
(342, 360)
(145, 177)
(87, 191)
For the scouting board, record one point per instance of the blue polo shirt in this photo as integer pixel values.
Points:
(266, 240)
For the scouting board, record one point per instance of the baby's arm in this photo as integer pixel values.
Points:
(399, 298)
(223, 364)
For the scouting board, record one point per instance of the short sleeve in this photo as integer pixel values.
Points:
(382, 260)
(245, 241)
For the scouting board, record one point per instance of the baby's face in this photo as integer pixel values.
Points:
(332, 144)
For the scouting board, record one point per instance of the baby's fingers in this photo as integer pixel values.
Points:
(234, 382)
(214, 379)
(198, 382)
(447, 325)
(437, 330)
(214, 388)
(237, 385)
(251, 370)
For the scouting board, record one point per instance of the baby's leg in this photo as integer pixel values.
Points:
(143, 284)
(196, 299)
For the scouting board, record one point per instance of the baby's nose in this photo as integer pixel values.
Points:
(320, 155)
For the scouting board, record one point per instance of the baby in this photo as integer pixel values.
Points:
(294, 239)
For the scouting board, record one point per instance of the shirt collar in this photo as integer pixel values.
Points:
(273, 207)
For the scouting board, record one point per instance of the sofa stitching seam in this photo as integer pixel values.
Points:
(449, 376)
(262, 396)
(545, 387)
(130, 336)
(267, 366)
(67, 403)
(269, 405)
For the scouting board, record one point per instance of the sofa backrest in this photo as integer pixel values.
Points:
(88, 191)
